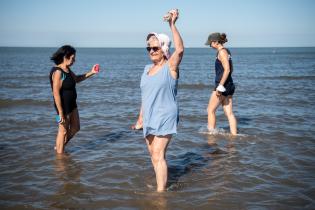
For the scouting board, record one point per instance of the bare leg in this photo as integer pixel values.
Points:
(157, 146)
(214, 102)
(74, 126)
(228, 110)
(61, 136)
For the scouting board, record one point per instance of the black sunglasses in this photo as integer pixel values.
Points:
(153, 48)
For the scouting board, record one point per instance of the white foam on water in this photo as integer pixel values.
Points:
(219, 131)
(216, 131)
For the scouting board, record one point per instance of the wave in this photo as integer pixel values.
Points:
(23, 102)
(215, 131)
(289, 78)
(218, 132)
(194, 86)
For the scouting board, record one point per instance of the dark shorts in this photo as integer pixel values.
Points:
(229, 89)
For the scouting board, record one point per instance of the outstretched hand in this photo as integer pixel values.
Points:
(95, 69)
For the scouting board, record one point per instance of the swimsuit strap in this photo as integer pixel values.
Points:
(63, 73)
(224, 49)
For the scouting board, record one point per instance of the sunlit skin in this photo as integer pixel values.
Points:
(157, 145)
(156, 57)
(69, 125)
(217, 98)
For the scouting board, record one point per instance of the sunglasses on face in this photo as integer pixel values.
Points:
(153, 48)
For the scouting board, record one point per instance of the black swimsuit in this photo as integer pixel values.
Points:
(68, 93)
(229, 85)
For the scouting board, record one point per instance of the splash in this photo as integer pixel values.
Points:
(215, 131)
(219, 132)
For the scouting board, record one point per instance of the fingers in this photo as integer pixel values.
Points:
(137, 126)
(174, 15)
(95, 69)
(62, 120)
(174, 12)
(218, 93)
(134, 127)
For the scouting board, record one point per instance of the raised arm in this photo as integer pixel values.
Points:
(177, 55)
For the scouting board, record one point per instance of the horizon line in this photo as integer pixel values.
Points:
(144, 47)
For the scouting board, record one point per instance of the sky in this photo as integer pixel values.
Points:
(125, 23)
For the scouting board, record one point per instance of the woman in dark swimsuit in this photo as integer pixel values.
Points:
(63, 82)
(224, 86)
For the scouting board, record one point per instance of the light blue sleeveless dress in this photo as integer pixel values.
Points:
(159, 105)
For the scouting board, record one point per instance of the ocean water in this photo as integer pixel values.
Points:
(269, 165)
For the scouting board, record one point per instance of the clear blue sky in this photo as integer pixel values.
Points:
(125, 23)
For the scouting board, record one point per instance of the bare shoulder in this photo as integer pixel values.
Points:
(223, 54)
(57, 74)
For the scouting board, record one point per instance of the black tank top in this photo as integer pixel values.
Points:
(68, 91)
(219, 70)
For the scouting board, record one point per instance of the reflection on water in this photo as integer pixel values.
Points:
(155, 200)
(217, 145)
(68, 171)
(66, 168)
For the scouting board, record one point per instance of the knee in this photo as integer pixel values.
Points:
(211, 111)
(228, 114)
(156, 157)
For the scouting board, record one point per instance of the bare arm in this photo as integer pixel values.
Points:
(57, 83)
(139, 123)
(177, 55)
(82, 77)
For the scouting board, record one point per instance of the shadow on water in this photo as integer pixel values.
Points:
(111, 137)
(244, 120)
(192, 162)
(185, 164)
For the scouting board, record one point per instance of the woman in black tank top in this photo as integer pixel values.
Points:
(224, 86)
(63, 84)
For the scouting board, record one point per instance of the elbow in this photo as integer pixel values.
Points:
(56, 92)
(226, 69)
(180, 51)
(56, 95)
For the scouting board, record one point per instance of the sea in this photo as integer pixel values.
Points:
(270, 164)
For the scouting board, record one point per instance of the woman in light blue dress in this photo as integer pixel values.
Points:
(159, 111)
